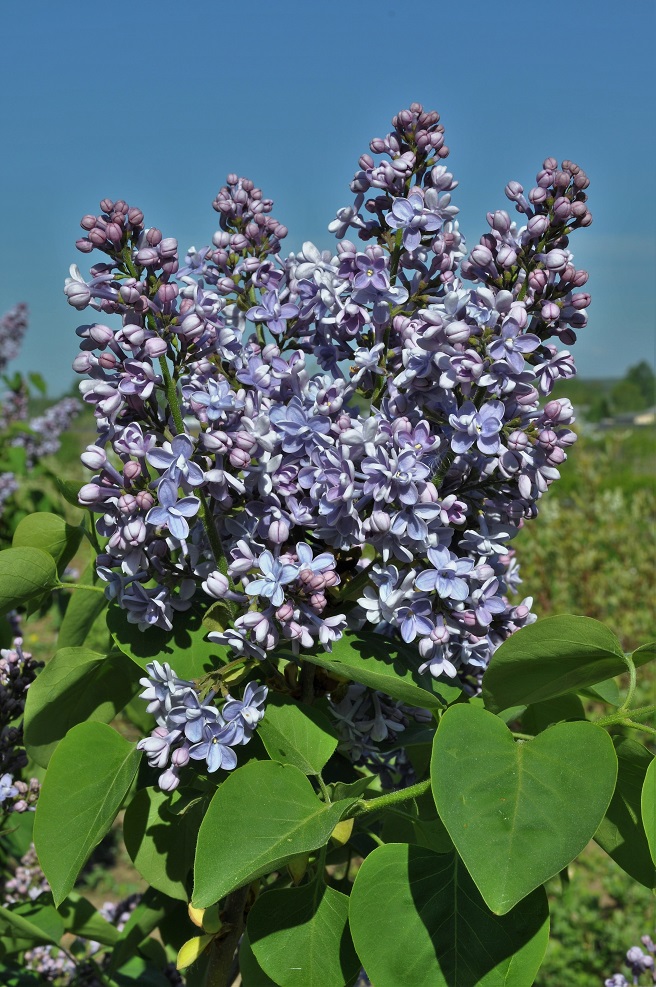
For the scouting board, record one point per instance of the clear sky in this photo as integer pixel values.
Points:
(155, 102)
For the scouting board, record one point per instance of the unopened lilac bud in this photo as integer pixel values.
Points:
(135, 216)
(550, 312)
(168, 781)
(108, 361)
(513, 190)
(89, 494)
(379, 523)
(84, 362)
(130, 291)
(106, 205)
(238, 242)
(127, 504)
(114, 233)
(518, 441)
(216, 585)
(538, 280)
(98, 237)
(145, 500)
(131, 471)
(180, 757)
(88, 222)
(562, 209)
(155, 347)
(506, 255)
(84, 245)
(94, 458)
(481, 256)
(153, 237)
(537, 195)
(280, 231)
(240, 459)
(556, 260)
(167, 293)
(147, 257)
(279, 531)
(537, 225)
(499, 221)
(221, 239)
(285, 612)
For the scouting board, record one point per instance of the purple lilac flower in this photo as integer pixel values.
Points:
(172, 513)
(481, 426)
(398, 427)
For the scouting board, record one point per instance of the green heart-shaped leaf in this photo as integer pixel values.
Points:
(25, 574)
(551, 657)
(50, 534)
(518, 812)
(621, 833)
(263, 814)
(87, 779)
(409, 896)
(300, 937)
(648, 807)
(297, 734)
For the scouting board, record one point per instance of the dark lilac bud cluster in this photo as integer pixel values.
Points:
(641, 963)
(353, 434)
(13, 326)
(188, 729)
(533, 262)
(371, 725)
(17, 671)
(111, 229)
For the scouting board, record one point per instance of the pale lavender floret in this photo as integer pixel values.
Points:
(299, 429)
(215, 747)
(446, 577)
(276, 574)
(172, 513)
(191, 716)
(177, 461)
(481, 426)
(274, 313)
(415, 619)
(219, 400)
(247, 712)
(411, 215)
(7, 788)
(512, 345)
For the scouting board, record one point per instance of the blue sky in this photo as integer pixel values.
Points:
(155, 102)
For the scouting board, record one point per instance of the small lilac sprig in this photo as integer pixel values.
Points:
(188, 729)
(17, 672)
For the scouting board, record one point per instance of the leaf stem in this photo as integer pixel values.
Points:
(632, 684)
(94, 589)
(623, 717)
(373, 805)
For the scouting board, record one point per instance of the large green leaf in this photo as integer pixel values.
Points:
(390, 666)
(648, 807)
(87, 780)
(622, 833)
(300, 937)
(296, 734)
(263, 814)
(417, 920)
(80, 917)
(25, 575)
(252, 974)
(83, 608)
(417, 822)
(538, 716)
(75, 686)
(160, 841)
(36, 922)
(50, 534)
(184, 648)
(519, 812)
(551, 657)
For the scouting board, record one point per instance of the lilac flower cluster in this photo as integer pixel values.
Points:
(13, 326)
(37, 436)
(17, 671)
(85, 959)
(639, 962)
(188, 729)
(328, 438)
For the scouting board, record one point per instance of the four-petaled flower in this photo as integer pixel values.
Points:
(172, 513)
(275, 575)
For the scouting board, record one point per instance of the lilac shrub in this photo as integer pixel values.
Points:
(17, 671)
(25, 440)
(326, 440)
